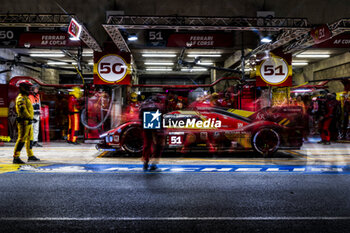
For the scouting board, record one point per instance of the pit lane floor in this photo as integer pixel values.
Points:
(77, 189)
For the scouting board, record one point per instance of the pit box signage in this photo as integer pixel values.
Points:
(112, 68)
(9, 36)
(45, 40)
(201, 40)
(321, 34)
(274, 70)
(339, 41)
(157, 38)
(74, 29)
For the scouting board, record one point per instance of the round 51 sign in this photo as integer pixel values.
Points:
(274, 70)
(112, 68)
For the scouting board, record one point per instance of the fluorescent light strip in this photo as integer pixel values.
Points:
(159, 63)
(57, 63)
(158, 69)
(299, 63)
(302, 90)
(314, 55)
(45, 51)
(194, 70)
(205, 63)
(203, 55)
(46, 55)
(158, 55)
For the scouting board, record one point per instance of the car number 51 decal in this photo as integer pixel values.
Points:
(175, 140)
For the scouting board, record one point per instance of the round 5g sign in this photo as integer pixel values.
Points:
(274, 70)
(112, 68)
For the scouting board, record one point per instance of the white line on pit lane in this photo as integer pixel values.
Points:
(283, 218)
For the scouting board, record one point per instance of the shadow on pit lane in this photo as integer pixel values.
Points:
(203, 154)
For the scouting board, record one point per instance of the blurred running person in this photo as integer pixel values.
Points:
(152, 138)
(326, 120)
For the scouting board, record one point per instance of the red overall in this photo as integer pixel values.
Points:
(325, 123)
(73, 118)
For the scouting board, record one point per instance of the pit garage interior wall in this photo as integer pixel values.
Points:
(334, 67)
(16, 71)
(46, 75)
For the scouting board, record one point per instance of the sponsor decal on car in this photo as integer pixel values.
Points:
(170, 168)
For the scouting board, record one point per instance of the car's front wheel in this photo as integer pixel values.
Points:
(132, 140)
(266, 141)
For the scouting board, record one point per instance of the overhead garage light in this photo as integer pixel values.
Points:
(159, 69)
(88, 54)
(132, 37)
(205, 63)
(57, 63)
(265, 40)
(203, 55)
(46, 55)
(159, 55)
(299, 63)
(313, 55)
(159, 63)
(194, 69)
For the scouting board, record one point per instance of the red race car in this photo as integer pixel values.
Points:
(216, 129)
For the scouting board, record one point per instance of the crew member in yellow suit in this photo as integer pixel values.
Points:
(25, 115)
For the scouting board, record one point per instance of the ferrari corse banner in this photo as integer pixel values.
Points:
(112, 68)
(47, 39)
(274, 70)
(201, 40)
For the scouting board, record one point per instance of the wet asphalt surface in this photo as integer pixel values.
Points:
(158, 202)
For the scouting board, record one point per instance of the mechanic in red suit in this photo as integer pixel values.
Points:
(74, 115)
(326, 119)
(131, 112)
(346, 116)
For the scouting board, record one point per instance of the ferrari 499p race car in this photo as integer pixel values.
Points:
(216, 129)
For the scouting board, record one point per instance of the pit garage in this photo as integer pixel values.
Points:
(180, 113)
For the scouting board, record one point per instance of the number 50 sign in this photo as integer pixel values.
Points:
(274, 71)
(111, 69)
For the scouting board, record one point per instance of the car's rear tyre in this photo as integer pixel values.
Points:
(132, 141)
(266, 141)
